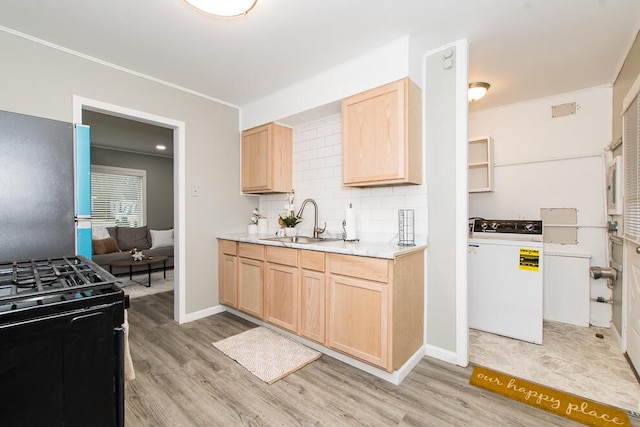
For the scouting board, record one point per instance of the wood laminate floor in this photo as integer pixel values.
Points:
(182, 380)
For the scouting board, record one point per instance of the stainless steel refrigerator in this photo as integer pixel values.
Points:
(45, 188)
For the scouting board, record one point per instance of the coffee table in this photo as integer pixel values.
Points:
(145, 261)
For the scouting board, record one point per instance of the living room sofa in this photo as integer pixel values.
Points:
(115, 243)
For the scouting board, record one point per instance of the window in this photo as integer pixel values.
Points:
(631, 129)
(118, 196)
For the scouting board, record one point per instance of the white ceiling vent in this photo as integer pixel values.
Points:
(564, 110)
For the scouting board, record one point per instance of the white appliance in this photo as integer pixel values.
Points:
(505, 278)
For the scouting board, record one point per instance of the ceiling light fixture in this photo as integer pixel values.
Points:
(477, 90)
(161, 147)
(224, 8)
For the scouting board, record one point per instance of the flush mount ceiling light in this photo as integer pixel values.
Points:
(477, 90)
(225, 8)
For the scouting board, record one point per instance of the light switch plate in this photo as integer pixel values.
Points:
(195, 192)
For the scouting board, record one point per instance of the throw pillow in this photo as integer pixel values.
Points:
(104, 246)
(99, 233)
(161, 238)
(133, 237)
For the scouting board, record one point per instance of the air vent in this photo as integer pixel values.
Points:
(563, 110)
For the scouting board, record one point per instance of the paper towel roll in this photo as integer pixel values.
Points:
(350, 224)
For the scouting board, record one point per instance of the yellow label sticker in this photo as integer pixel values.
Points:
(529, 259)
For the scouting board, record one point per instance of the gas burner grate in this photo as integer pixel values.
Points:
(49, 276)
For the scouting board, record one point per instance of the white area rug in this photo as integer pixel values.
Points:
(266, 354)
(136, 287)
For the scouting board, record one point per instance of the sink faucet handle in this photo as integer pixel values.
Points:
(319, 230)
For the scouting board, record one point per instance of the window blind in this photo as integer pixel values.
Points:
(631, 135)
(118, 197)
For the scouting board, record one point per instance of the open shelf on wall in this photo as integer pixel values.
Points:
(480, 164)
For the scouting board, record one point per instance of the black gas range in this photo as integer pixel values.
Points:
(34, 288)
(61, 343)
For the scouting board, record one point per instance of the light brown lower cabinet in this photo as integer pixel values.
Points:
(251, 279)
(312, 296)
(368, 308)
(281, 301)
(358, 318)
(228, 273)
(376, 307)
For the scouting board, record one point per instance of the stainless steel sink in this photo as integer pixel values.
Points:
(303, 239)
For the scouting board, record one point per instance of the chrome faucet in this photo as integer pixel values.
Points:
(316, 231)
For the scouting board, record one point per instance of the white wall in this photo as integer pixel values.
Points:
(544, 162)
(39, 80)
(390, 62)
(317, 174)
(446, 135)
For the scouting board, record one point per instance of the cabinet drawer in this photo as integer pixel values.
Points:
(312, 260)
(284, 256)
(376, 269)
(250, 250)
(228, 247)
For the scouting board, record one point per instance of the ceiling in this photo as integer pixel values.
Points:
(524, 48)
(116, 133)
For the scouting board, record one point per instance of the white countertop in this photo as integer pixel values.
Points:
(388, 250)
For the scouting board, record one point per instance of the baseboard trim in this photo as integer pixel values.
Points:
(394, 377)
(633, 368)
(441, 354)
(617, 336)
(196, 315)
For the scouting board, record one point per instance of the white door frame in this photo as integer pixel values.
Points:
(179, 192)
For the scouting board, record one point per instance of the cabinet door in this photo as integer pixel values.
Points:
(359, 319)
(251, 286)
(312, 305)
(267, 159)
(282, 296)
(228, 274)
(381, 136)
(256, 158)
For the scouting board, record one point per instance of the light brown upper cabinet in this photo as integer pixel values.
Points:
(267, 159)
(382, 136)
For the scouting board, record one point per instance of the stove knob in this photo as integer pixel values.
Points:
(528, 227)
(484, 225)
(494, 225)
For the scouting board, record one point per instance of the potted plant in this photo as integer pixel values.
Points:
(289, 220)
(253, 227)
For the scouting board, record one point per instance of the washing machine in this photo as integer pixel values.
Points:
(505, 285)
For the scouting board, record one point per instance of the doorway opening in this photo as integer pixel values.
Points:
(176, 130)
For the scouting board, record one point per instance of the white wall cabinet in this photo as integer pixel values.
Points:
(480, 164)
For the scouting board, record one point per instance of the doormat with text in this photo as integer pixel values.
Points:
(560, 403)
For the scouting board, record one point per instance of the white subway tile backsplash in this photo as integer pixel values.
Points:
(334, 139)
(417, 201)
(310, 134)
(325, 152)
(371, 203)
(405, 190)
(317, 174)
